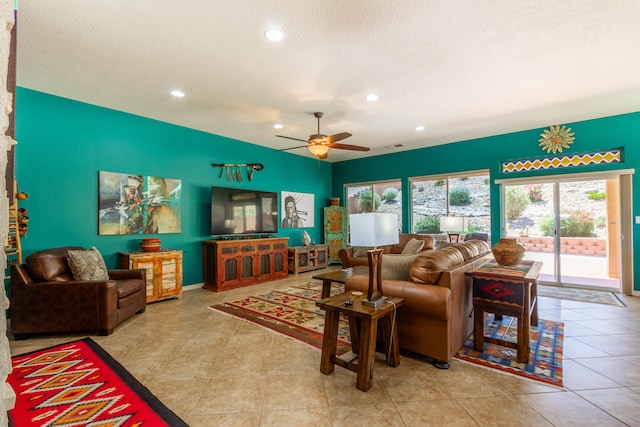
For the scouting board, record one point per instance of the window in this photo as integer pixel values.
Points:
(379, 196)
(464, 194)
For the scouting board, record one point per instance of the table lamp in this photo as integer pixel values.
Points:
(453, 225)
(374, 229)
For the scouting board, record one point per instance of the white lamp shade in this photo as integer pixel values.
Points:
(373, 229)
(454, 223)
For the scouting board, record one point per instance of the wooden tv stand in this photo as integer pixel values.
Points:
(230, 264)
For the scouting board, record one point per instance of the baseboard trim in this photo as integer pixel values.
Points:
(192, 287)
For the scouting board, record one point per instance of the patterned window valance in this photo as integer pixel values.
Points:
(570, 160)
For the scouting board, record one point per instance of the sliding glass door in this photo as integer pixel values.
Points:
(572, 225)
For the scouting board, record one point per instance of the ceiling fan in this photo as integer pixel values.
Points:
(319, 144)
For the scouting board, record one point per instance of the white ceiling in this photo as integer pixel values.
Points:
(463, 69)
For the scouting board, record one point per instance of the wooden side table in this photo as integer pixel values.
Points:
(510, 291)
(363, 325)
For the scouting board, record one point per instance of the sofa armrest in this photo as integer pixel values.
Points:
(345, 254)
(125, 274)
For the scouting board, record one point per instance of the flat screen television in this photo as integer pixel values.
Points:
(236, 211)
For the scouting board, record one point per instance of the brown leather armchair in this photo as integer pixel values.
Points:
(46, 298)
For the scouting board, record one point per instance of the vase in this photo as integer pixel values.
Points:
(508, 252)
(150, 244)
(334, 201)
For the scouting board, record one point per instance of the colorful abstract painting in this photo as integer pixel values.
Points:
(136, 204)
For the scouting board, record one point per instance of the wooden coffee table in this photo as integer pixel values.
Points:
(363, 325)
(338, 276)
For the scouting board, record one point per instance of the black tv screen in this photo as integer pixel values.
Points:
(236, 211)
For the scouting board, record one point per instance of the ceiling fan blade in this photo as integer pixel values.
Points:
(293, 148)
(338, 137)
(350, 147)
(295, 139)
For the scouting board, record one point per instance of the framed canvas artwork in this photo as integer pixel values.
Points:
(297, 210)
(136, 204)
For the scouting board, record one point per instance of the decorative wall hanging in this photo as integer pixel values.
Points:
(297, 209)
(556, 138)
(136, 204)
(234, 171)
(595, 158)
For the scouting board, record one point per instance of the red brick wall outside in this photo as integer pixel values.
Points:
(570, 245)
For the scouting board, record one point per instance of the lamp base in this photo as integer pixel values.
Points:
(374, 303)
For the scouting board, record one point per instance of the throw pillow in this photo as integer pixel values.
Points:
(444, 244)
(359, 251)
(87, 265)
(396, 266)
(413, 246)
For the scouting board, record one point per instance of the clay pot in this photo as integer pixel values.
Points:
(150, 244)
(22, 196)
(508, 252)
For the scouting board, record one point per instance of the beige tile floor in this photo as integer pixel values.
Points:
(215, 370)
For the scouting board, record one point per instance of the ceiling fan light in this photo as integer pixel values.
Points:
(318, 150)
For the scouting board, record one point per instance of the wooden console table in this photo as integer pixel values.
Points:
(306, 258)
(230, 264)
(363, 326)
(510, 291)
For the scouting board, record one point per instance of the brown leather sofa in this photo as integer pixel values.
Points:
(45, 297)
(434, 319)
(349, 260)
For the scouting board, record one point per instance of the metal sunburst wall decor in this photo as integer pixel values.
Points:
(556, 138)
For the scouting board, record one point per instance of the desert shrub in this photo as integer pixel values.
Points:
(516, 202)
(596, 195)
(428, 224)
(459, 196)
(573, 224)
(485, 181)
(439, 183)
(534, 192)
(390, 194)
(365, 201)
(600, 221)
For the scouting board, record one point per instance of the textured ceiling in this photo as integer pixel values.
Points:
(463, 69)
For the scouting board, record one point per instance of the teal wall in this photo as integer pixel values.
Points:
(62, 144)
(488, 153)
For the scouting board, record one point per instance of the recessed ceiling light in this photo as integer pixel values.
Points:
(372, 97)
(277, 126)
(274, 34)
(419, 128)
(177, 93)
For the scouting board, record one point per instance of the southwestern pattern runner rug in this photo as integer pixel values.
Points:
(291, 312)
(80, 384)
(545, 361)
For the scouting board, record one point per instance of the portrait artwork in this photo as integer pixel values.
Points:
(297, 210)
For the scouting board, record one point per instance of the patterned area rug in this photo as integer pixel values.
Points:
(545, 361)
(291, 312)
(80, 384)
(583, 295)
